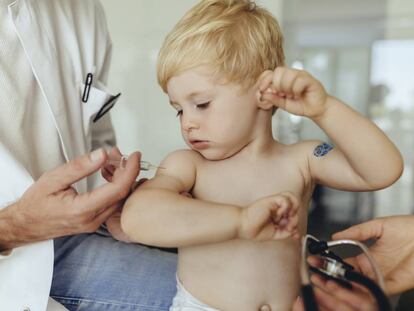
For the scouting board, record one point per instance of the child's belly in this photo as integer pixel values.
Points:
(242, 275)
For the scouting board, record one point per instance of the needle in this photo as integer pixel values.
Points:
(145, 165)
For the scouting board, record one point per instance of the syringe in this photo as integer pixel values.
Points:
(145, 165)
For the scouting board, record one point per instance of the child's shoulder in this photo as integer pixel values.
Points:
(182, 157)
(304, 148)
(177, 170)
(299, 156)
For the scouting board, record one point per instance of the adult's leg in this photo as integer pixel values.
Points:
(94, 272)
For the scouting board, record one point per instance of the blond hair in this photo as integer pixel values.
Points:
(236, 38)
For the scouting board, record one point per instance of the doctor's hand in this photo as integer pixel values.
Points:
(332, 297)
(51, 207)
(393, 249)
(271, 218)
(108, 171)
(295, 91)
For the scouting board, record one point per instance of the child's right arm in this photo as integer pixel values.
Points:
(156, 214)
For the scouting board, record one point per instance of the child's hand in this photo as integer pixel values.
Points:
(295, 91)
(271, 218)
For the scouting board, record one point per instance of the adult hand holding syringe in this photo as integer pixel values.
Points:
(52, 208)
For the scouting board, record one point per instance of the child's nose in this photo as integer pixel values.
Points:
(189, 122)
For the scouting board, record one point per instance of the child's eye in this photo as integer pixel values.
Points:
(203, 105)
(179, 113)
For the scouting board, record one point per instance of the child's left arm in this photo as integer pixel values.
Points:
(363, 159)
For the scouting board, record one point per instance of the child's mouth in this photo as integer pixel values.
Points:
(199, 144)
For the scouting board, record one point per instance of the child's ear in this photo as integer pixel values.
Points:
(262, 104)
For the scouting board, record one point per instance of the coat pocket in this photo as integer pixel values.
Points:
(99, 102)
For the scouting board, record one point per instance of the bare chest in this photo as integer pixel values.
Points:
(240, 184)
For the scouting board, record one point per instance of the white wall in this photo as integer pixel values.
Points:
(142, 117)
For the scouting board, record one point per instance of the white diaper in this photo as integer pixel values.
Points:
(184, 301)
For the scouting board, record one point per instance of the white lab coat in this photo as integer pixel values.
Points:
(63, 40)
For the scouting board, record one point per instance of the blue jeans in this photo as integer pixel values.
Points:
(94, 272)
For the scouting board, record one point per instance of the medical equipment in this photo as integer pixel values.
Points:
(333, 267)
(145, 165)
